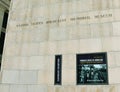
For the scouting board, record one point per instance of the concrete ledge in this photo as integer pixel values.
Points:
(52, 88)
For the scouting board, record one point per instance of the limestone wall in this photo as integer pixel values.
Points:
(40, 29)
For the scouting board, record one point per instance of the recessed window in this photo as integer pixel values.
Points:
(2, 34)
(58, 69)
(2, 38)
(92, 69)
(5, 19)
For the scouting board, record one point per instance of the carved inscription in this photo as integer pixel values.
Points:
(103, 16)
(77, 18)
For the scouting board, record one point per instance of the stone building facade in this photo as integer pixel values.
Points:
(51, 44)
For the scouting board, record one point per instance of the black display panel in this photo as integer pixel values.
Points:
(92, 69)
(58, 69)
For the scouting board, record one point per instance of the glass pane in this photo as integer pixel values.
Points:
(92, 68)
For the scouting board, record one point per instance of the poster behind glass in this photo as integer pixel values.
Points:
(92, 68)
(58, 69)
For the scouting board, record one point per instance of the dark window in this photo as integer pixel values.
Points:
(5, 18)
(92, 68)
(2, 38)
(58, 69)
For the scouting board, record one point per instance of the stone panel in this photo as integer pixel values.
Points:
(43, 48)
(112, 88)
(29, 49)
(69, 61)
(114, 75)
(111, 59)
(82, 5)
(117, 59)
(4, 88)
(116, 30)
(17, 63)
(29, 63)
(68, 47)
(38, 36)
(52, 47)
(30, 36)
(19, 5)
(69, 89)
(12, 49)
(51, 63)
(58, 34)
(116, 14)
(59, 89)
(102, 4)
(111, 44)
(82, 89)
(10, 76)
(18, 88)
(39, 63)
(90, 45)
(28, 77)
(101, 30)
(116, 3)
(51, 88)
(79, 31)
(97, 88)
(37, 88)
(118, 88)
(46, 77)
(68, 76)
(11, 37)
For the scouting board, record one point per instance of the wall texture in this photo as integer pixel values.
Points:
(40, 29)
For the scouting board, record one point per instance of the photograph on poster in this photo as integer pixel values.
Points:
(92, 69)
